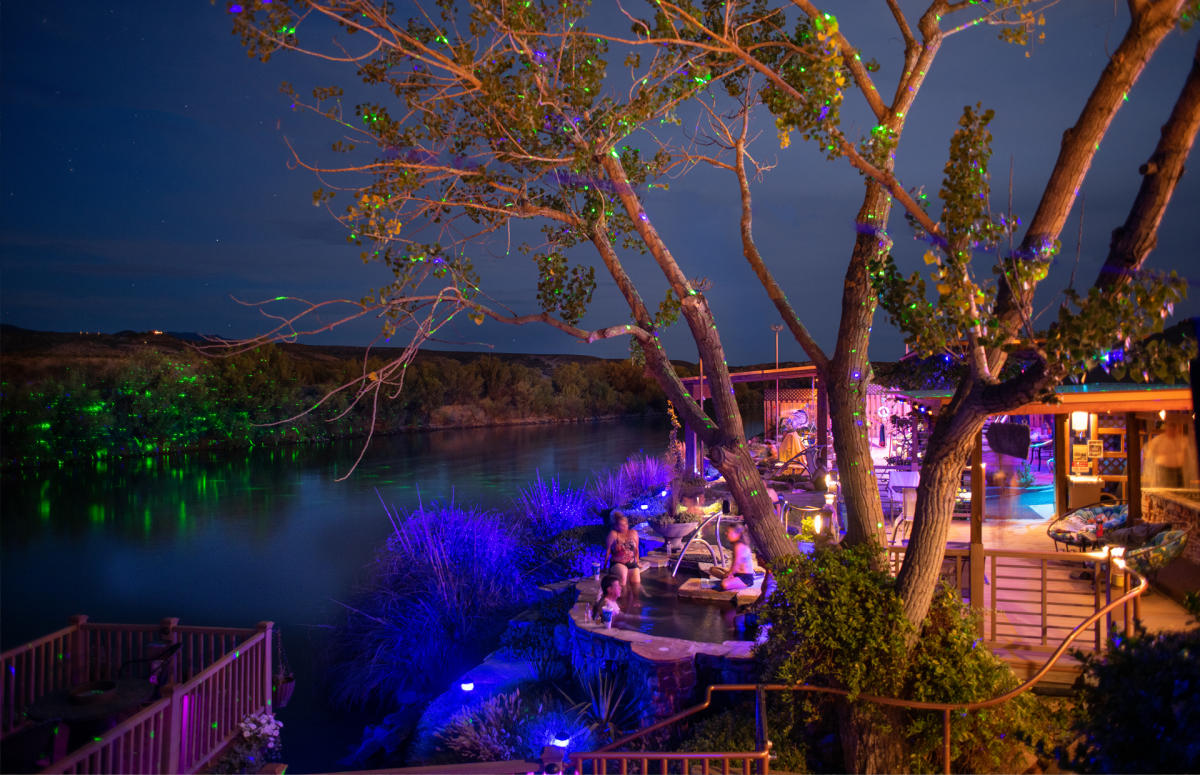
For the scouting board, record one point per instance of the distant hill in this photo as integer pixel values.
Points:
(33, 353)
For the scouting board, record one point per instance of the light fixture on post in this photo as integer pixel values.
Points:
(1079, 421)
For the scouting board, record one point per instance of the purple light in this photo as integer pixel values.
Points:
(561, 740)
(236, 8)
(467, 686)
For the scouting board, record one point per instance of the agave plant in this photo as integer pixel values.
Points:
(606, 704)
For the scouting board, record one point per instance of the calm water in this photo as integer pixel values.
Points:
(232, 540)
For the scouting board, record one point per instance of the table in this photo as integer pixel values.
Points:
(86, 719)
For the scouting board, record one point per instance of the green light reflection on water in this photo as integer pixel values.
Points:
(96, 512)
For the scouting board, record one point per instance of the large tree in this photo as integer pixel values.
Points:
(806, 67)
(476, 119)
(503, 112)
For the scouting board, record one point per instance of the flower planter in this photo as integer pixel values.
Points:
(674, 532)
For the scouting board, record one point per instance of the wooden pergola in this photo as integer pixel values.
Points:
(1098, 398)
(700, 388)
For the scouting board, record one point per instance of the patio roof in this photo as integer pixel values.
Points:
(1096, 397)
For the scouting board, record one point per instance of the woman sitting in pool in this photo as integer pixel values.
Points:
(621, 551)
(740, 573)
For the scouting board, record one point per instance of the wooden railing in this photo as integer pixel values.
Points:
(218, 677)
(1034, 599)
(39, 667)
(597, 762)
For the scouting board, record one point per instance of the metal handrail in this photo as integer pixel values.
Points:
(606, 752)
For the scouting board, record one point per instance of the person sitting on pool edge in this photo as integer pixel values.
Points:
(621, 551)
(740, 573)
(610, 590)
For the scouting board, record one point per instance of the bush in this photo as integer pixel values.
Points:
(1137, 708)
(645, 475)
(551, 508)
(509, 726)
(540, 638)
(835, 622)
(437, 595)
(733, 730)
(950, 664)
(609, 491)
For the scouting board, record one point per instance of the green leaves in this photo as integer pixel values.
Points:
(564, 290)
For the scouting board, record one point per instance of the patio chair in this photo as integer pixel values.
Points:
(1155, 556)
(1077, 527)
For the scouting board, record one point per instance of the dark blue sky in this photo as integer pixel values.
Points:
(145, 179)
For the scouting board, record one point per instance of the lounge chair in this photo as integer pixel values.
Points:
(1155, 556)
(1077, 527)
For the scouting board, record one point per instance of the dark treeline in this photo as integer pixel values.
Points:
(68, 397)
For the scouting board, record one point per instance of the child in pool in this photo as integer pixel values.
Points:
(610, 590)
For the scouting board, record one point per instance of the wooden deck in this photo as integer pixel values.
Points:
(215, 677)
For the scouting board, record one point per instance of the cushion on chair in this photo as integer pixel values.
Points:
(1138, 535)
(1163, 548)
(1078, 526)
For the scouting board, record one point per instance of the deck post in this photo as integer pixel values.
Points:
(1133, 466)
(267, 629)
(80, 672)
(1062, 463)
(978, 492)
(822, 423)
(173, 728)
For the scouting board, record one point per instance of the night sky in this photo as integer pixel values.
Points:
(145, 180)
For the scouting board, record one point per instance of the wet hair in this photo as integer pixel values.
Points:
(606, 584)
(738, 529)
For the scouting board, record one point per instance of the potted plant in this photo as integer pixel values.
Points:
(684, 512)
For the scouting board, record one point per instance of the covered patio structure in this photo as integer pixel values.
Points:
(1099, 429)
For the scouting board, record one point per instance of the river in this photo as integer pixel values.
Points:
(233, 539)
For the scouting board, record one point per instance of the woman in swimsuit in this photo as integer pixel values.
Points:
(621, 551)
(740, 574)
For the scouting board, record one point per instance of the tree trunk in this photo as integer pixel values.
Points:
(856, 471)
(946, 455)
(748, 490)
(870, 735)
(849, 373)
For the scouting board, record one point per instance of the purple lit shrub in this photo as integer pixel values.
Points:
(510, 726)
(551, 508)
(645, 475)
(437, 596)
(609, 490)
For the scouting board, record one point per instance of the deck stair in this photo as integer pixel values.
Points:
(1025, 661)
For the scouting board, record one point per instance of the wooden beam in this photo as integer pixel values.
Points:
(1133, 466)
(978, 494)
(1062, 462)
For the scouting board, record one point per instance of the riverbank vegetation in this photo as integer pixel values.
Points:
(92, 397)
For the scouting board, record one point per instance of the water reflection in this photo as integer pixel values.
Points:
(265, 534)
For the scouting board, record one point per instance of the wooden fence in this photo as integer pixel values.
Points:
(219, 676)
